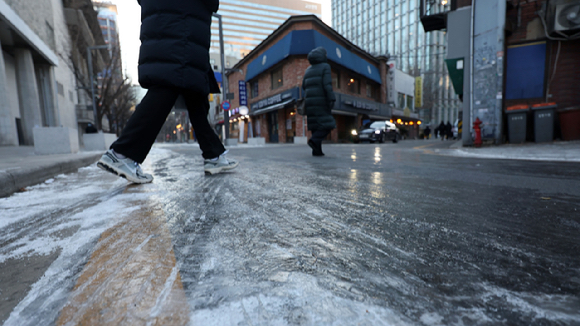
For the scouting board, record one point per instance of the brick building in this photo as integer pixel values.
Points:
(272, 75)
(524, 53)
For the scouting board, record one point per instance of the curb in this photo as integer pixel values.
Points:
(12, 181)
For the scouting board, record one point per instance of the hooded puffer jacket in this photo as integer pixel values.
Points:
(175, 39)
(318, 95)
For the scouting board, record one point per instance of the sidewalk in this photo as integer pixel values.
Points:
(20, 167)
(557, 151)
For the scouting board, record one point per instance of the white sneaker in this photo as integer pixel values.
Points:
(123, 167)
(219, 165)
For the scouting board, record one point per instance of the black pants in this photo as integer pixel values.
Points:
(319, 135)
(142, 128)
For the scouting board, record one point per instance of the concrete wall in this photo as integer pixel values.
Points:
(63, 74)
(38, 15)
(458, 46)
(488, 49)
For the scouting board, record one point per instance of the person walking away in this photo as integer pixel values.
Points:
(318, 99)
(449, 130)
(173, 61)
(427, 132)
(441, 130)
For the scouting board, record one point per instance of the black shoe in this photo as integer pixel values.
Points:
(316, 150)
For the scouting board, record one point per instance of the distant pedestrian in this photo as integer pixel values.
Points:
(173, 61)
(441, 130)
(319, 99)
(449, 130)
(427, 132)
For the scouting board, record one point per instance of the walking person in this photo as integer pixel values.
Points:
(318, 99)
(441, 130)
(173, 61)
(427, 132)
(449, 130)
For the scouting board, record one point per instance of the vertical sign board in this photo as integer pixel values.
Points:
(391, 91)
(243, 93)
(418, 92)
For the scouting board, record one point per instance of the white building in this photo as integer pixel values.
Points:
(37, 87)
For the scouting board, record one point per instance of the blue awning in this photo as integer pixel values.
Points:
(218, 76)
(302, 42)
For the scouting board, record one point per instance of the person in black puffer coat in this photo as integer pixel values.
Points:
(318, 99)
(173, 61)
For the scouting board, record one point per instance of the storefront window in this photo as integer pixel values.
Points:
(353, 85)
(401, 101)
(277, 78)
(410, 103)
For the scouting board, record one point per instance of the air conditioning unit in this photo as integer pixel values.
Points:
(564, 17)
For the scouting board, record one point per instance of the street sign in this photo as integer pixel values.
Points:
(225, 105)
(230, 96)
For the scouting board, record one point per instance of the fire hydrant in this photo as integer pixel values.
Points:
(477, 130)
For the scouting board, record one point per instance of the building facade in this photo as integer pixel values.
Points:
(268, 82)
(84, 31)
(37, 87)
(393, 28)
(107, 16)
(246, 23)
(525, 58)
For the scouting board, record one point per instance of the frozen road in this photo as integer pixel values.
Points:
(387, 234)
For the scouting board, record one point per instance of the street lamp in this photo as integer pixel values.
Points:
(90, 62)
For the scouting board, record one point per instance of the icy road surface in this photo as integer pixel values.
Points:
(368, 235)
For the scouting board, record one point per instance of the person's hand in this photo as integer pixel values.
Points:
(331, 104)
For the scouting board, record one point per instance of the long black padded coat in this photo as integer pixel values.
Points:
(318, 95)
(175, 40)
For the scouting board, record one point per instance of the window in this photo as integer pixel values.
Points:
(277, 78)
(254, 86)
(401, 101)
(410, 103)
(353, 85)
(336, 80)
(369, 90)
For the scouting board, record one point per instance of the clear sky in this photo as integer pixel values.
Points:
(129, 21)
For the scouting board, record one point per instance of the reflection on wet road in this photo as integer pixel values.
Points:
(367, 235)
(390, 237)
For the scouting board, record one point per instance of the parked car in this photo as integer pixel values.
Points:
(377, 131)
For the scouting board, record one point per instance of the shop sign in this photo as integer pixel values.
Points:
(418, 92)
(275, 99)
(362, 105)
(243, 93)
(391, 91)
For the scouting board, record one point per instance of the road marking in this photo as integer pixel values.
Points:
(423, 146)
(426, 151)
(131, 277)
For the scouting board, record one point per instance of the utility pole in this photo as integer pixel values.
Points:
(224, 78)
(90, 62)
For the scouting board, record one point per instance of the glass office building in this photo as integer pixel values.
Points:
(247, 23)
(393, 27)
